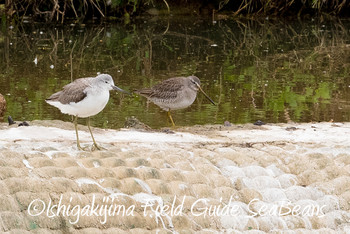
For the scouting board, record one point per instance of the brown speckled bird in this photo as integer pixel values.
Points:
(174, 93)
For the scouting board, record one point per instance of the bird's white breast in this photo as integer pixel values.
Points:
(91, 105)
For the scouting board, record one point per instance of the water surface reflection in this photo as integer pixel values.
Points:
(268, 70)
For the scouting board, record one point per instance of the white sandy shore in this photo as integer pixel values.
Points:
(273, 178)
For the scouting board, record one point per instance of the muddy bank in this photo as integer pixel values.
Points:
(200, 179)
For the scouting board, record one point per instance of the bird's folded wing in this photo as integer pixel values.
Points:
(167, 89)
(72, 92)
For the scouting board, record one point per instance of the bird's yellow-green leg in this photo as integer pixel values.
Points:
(171, 118)
(92, 136)
(76, 132)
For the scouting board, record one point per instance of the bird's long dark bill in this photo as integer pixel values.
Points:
(120, 90)
(206, 95)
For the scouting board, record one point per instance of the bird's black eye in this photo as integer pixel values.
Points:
(106, 82)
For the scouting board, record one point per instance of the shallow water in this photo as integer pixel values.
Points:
(268, 70)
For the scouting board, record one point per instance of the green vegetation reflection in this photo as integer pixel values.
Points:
(255, 70)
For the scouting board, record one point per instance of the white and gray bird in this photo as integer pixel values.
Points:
(83, 98)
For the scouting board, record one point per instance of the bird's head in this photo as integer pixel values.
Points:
(195, 84)
(106, 81)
